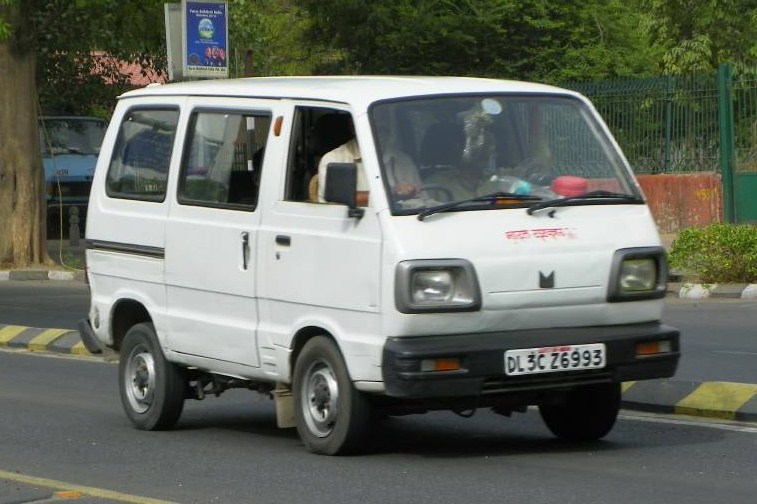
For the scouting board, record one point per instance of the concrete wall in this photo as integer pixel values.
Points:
(683, 200)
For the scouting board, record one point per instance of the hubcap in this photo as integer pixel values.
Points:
(140, 379)
(320, 399)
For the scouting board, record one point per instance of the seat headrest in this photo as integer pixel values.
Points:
(442, 145)
(330, 131)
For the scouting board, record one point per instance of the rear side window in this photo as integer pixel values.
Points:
(142, 156)
(223, 159)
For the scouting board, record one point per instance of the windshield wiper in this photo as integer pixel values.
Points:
(491, 197)
(591, 196)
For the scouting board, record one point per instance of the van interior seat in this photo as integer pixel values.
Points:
(442, 147)
(242, 187)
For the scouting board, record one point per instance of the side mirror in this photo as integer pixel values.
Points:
(341, 187)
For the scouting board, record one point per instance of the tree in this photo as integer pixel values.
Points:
(119, 31)
(698, 35)
(22, 203)
(549, 40)
(33, 31)
(269, 37)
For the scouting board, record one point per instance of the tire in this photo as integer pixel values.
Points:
(332, 416)
(152, 389)
(588, 413)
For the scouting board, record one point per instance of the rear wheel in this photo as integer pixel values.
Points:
(152, 389)
(587, 414)
(332, 416)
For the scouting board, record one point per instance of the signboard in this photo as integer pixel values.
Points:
(205, 41)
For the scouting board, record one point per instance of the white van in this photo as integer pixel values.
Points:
(358, 247)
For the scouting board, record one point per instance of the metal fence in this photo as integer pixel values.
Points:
(675, 124)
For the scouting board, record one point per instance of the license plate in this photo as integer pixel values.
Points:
(554, 359)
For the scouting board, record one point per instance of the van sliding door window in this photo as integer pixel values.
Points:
(142, 156)
(223, 159)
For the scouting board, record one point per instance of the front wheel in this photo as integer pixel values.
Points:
(332, 416)
(587, 414)
(152, 389)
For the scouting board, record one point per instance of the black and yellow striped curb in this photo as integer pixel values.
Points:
(723, 400)
(36, 339)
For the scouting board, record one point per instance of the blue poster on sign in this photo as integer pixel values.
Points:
(206, 36)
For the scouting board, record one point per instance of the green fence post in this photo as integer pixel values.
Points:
(727, 147)
(668, 120)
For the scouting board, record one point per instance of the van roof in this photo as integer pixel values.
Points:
(345, 89)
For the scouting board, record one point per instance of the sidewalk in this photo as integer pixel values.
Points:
(69, 264)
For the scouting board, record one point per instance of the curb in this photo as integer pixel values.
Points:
(721, 400)
(61, 275)
(34, 339)
(704, 291)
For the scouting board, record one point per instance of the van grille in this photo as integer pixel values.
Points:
(502, 385)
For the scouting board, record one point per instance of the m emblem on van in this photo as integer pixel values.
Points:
(546, 281)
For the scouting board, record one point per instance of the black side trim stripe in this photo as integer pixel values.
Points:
(127, 248)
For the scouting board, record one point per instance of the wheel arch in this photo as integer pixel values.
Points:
(299, 340)
(125, 314)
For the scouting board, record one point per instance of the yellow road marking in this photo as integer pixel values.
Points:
(80, 349)
(718, 399)
(41, 341)
(627, 385)
(7, 333)
(68, 494)
(83, 490)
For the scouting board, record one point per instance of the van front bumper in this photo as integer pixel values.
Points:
(482, 361)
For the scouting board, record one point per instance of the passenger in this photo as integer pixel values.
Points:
(348, 152)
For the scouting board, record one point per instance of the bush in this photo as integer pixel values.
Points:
(719, 253)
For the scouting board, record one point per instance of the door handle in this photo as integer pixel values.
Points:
(245, 249)
(283, 240)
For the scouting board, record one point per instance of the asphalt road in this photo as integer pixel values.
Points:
(61, 420)
(46, 303)
(718, 339)
(62, 428)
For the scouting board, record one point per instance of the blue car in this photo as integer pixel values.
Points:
(70, 145)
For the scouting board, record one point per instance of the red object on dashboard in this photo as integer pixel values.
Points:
(567, 185)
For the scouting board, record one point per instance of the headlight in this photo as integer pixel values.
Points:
(432, 287)
(436, 285)
(638, 273)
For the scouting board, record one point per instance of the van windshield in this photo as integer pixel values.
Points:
(436, 151)
(71, 135)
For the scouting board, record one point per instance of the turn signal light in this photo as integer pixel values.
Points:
(443, 364)
(652, 348)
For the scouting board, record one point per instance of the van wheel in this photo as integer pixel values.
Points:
(332, 416)
(587, 414)
(152, 389)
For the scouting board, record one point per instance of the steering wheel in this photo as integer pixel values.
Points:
(432, 190)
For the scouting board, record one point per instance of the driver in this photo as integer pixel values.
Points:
(401, 171)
